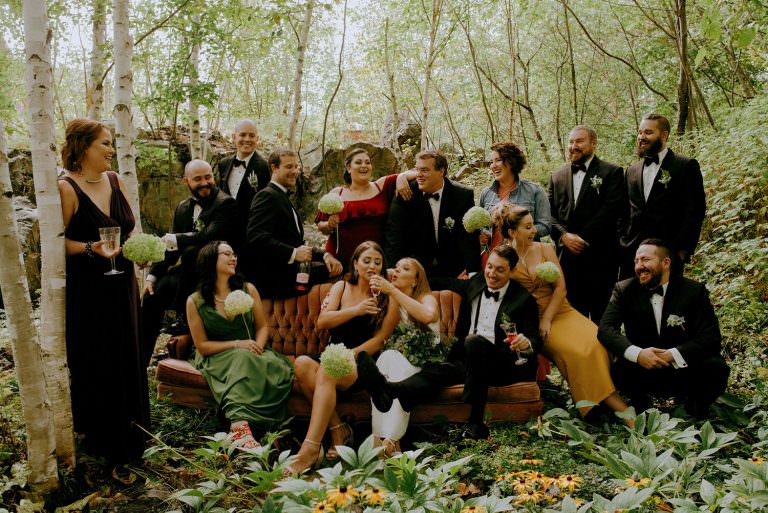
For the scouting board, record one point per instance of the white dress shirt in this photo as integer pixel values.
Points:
(434, 204)
(657, 305)
(483, 320)
(578, 179)
(235, 178)
(650, 172)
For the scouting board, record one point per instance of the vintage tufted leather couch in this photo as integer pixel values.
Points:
(292, 332)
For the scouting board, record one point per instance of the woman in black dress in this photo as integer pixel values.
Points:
(108, 379)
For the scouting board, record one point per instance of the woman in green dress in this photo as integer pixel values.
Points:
(249, 381)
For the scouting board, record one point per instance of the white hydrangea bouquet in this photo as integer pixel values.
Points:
(337, 360)
(239, 302)
(476, 218)
(331, 204)
(548, 271)
(143, 247)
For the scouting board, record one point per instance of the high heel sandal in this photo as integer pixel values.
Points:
(290, 470)
(242, 436)
(391, 447)
(333, 454)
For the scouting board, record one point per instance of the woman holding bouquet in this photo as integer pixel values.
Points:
(365, 206)
(108, 375)
(418, 311)
(570, 339)
(507, 162)
(359, 317)
(249, 381)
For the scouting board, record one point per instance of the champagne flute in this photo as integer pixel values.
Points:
(111, 237)
(510, 329)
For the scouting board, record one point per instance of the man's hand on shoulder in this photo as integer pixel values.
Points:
(653, 358)
(574, 243)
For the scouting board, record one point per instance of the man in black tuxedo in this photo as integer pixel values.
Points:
(666, 197)
(244, 174)
(481, 355)
(208, 215)
(275, 236)
(429, 227)
(587, 198)
(671, 345)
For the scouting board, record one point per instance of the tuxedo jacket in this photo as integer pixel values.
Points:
(594, 215)
(257, 167)
(517, 304)
(410, 232)
(697, 339)
(272, 235)
(218, 219)
(673, 212)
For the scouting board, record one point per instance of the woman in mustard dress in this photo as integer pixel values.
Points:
(570, 339)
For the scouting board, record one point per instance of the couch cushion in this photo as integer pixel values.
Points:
(180, 373)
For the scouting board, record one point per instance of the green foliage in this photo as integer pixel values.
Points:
(418, 345)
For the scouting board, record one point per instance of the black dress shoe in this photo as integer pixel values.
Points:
(374, 382)
(475, 432)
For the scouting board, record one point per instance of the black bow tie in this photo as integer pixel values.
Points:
(659, 289)
(575, 168)
(494, 295)
(238, 162)
(435, 196)
(647, 161)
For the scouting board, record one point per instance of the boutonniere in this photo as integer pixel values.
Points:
(199, 225)
(253, 180)
(596, 182)
(665, 178)
(674, 321)
(449, 223)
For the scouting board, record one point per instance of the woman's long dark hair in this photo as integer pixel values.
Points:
(352, 277)
(206, 272)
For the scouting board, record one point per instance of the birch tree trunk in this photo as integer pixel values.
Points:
(39, 78)
(683, 82)
(297, 78)
(434, 22)
(195, 148)
(392, 95)
(94, 97)
(28, 360)
(124, 133)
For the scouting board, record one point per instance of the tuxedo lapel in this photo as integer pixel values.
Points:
(586, 182)
(290, 211)
(666, 165)
(225, 175)
(635, 182)
(645, 313)
(568, 186)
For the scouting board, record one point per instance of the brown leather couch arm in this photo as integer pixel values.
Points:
(180, 347)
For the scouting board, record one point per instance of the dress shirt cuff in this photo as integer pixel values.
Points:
(293, 256)
(151, 278)
(632, 352)
(678, 361)
(170, 241)
(471, 274)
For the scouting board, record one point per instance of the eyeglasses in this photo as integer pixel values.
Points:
(228, 254)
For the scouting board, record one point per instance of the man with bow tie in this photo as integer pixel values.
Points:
(671, 340)
(275, 236)
(208, 214)
(666, 197)
(587, 198)
(429, 228)
(244, 174)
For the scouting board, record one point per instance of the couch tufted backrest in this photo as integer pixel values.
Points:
(292, 321)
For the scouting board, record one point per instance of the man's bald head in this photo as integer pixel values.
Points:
(245, 137)
(198, 176)
(196, 165)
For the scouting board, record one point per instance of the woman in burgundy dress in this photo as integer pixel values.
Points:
(366, 205)
(108, 379)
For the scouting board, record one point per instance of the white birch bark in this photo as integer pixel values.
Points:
(28, 360)
(95, 92)
(195, 148)
(297, 78)
(432, 53)
(39, 79)
(124, 132)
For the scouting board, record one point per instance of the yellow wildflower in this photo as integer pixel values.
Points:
(341, 496)
(762, 371)
(528, 496)
(322, 507)
(637, 482)
(473, 509)
(569, 482)
(531, 462)
(374, 496)
(757, 459)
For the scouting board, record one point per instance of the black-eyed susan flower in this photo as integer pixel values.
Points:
(569, 482)
(637, 482)
(757, 459)
(342, 496)
(322, 507)
(528, 496)
(531, 461)
(473, 509)
(374, 496)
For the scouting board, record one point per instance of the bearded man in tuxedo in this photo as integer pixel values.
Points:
(666, 197)
(670, 345)
(587, 198)
(244, 174)
(208, 214)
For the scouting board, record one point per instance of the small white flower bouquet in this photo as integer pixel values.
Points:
(548, 271)
(144, 247)
(676, 321)
(596, 182)
(475, 219)
(331, 204)
(238, 302)
(337, 360)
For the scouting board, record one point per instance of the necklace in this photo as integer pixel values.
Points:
(95, 181)
(522, 257)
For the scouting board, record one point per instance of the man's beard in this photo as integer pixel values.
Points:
(195, 194)
(653, 149)
(654, 281)
(583, 160)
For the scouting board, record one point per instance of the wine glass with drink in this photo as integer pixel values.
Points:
(510, 330)
(110, 235)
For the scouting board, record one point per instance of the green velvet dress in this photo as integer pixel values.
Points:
(246, 386)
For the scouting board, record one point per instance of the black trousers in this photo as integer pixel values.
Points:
(589, 283)
(491, 364)
(698, 385)
(425, 385)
